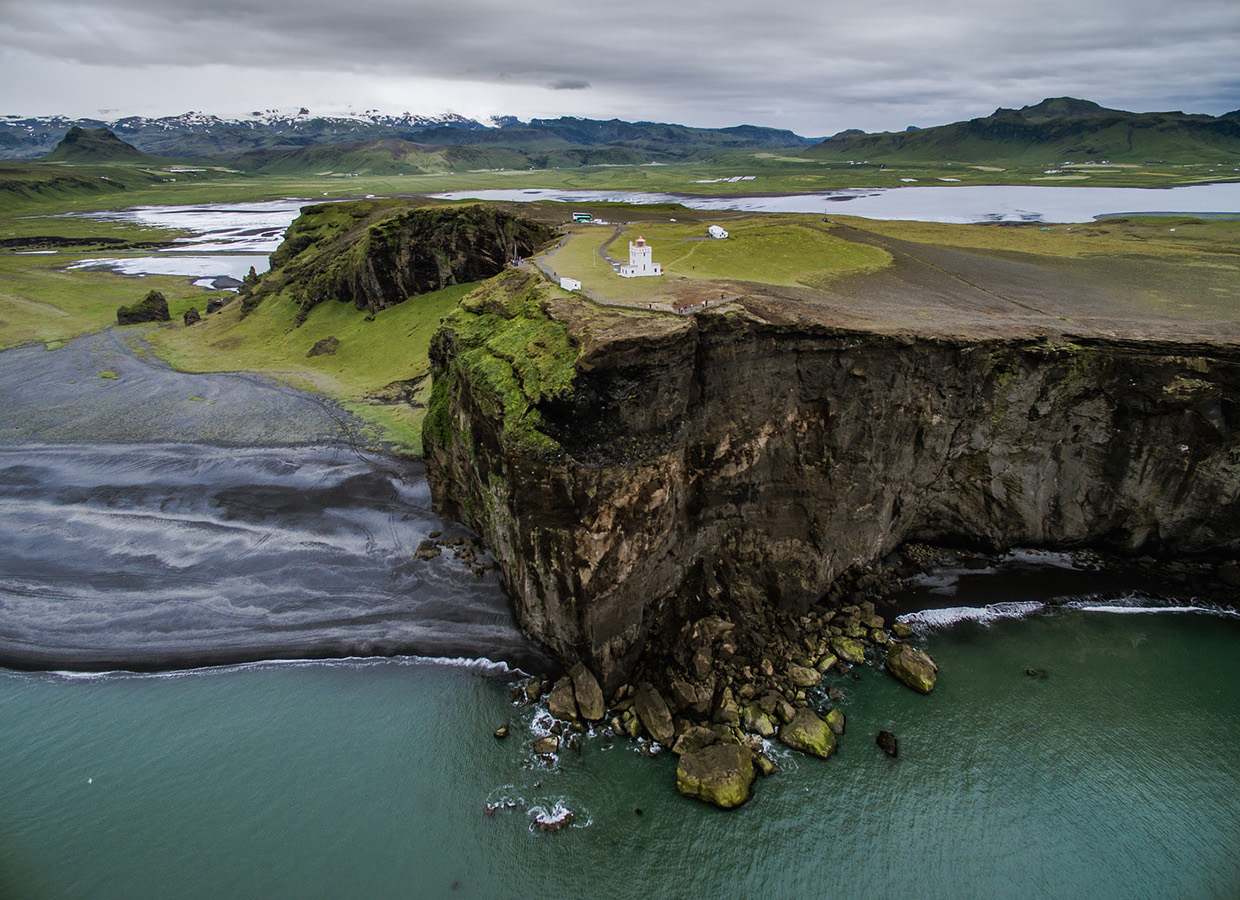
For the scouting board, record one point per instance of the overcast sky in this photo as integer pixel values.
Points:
(815, 66)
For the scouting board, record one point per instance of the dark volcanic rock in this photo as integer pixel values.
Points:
(654, 714)
(887, 741)
(192, 316)
(152, 308)
(588, 693)
(325, 347)
(214, 304)
(750, 463)
(376, 266)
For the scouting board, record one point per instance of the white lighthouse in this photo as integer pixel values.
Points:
(641, 261)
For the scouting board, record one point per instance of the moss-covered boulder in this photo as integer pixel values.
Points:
(756, 720)
(835, 721)
(848, 649)
(693, 739)
(152, 308)
(325, 347)
(809, 734)
(803, 676)
(912, 667)
(192, 316)
(721, 774)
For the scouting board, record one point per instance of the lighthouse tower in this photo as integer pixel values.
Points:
(641, 261)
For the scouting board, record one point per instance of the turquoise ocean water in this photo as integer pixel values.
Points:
(1115, 775)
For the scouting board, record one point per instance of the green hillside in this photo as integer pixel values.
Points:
(1053, 131)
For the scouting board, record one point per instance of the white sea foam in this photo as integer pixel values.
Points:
(479, 664)
(942, 618)
(1125, 608)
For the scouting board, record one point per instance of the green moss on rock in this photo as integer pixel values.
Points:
(513, 355)
(912, 667)
(721, 774)
(152, 308)
(809, 734)
(375, 255)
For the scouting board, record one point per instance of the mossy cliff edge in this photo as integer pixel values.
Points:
(632, 472)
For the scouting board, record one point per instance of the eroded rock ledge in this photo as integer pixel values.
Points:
(632, 473)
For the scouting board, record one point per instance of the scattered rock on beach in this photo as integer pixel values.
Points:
(654, 714)
(562, 703)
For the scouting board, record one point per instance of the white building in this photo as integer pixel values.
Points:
(641, 262)
(716, 232)
(569, 284)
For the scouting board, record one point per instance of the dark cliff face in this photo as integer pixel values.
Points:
(354, 253)
(723, 456)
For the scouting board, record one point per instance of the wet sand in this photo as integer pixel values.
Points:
(159, 520)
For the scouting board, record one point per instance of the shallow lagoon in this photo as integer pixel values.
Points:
(959, 204)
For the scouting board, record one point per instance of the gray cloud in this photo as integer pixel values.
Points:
(816, 68)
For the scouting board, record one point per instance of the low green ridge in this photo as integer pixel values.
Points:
(375, 254)
(1053, 131)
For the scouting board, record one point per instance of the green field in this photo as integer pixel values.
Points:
(373, 353)
(42, 302)
(767, 249)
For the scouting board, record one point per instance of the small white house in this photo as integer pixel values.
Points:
(717, 233)
(569, 284)
(641, 261)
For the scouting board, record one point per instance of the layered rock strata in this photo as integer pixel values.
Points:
(631, 473)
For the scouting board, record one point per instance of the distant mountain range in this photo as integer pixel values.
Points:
(1060, 129)
(262, 139)
(1056, 130)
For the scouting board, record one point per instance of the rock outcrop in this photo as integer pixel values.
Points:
(152, 308)
(375, 256)
(629, 471)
